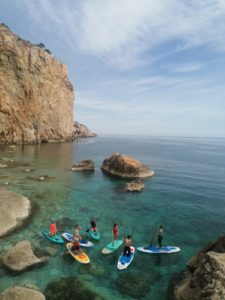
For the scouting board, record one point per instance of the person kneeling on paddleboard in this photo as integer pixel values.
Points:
(160, 236)
(52, 228)
(126, 249)
(115, 232)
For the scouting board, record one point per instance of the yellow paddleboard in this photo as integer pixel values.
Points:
(80, 256)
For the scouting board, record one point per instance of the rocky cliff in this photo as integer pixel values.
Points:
(82, 131)
(206, 278)
(36, 96)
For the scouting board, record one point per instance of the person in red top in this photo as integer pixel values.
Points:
(53, 228)
(115, 232)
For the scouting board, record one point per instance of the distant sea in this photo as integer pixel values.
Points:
(186, 195)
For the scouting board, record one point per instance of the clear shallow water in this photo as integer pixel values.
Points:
(186, 196)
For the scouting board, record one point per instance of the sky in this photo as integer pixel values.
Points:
(138, 67)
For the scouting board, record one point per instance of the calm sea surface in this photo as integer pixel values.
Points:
(187, 196)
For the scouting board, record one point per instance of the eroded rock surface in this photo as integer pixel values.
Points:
(36, 96)
(84, 165)
(14, 209)
(125, 167)
(206, 278)
(21, 293)
(21, 257)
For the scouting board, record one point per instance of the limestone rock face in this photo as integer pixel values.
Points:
(21, 257)
(82, 131)
(36, 96)
(125, 167)
(206, 281)
(84, 165)
(14, 209)
(21, 293)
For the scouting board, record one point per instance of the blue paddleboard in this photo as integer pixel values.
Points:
(157, 250)
(83, 243)
(124, 261)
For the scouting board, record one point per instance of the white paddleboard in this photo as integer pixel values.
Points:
(83, 243)
(157, 250)
(125, 261)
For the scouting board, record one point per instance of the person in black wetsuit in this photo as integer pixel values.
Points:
(160, 236)
(127, 244)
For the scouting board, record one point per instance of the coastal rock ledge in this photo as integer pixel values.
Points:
(14, 209)
(21, 293)
(21, 257)
(206, 277)
(125, 167)
(36, 96)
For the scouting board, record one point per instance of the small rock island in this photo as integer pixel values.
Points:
(123, 166)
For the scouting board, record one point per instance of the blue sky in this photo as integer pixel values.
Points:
(138, 66)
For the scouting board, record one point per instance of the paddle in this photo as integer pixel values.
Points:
(153, 236)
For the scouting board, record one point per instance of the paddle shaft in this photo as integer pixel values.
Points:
(153, 236)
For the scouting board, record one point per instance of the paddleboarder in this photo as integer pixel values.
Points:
(53, 228)
(93, 225)
(160, 236)
(127, 244)
(76, 238)
(115, 232)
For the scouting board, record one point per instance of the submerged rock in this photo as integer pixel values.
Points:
(135, 186)
(14, 209)
(125, 167)
(70, 288)
(21, 293)
(84, 165)
(21, 257)
(206, 278)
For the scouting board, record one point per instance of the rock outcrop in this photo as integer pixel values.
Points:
(125, 167)
(36, 96)
(21, 257)
(14, 209)
(21, 293)
(206, 278)
(135, 186)
(82, 131)
(84, 165)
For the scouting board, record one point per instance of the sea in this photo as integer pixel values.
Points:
(186, 196)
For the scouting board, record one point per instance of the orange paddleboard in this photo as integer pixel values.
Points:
(80, 256)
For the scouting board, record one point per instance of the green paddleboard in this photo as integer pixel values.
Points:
(55, 238)
(110, 248)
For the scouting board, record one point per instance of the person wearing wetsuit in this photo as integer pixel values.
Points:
(126, 249)
(160, 236)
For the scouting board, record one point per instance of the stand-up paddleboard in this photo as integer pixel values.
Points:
(81, 257)
(54, 238)
(124, 261)
(110, 248)
(83, 243)
(157, 250)
(94, 234)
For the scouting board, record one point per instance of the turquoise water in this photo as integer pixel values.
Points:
(186, 196)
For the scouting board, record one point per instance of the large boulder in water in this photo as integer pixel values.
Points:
(206, 278)
(21, 257)
(14, 209)
(125, 167)
(21, 293)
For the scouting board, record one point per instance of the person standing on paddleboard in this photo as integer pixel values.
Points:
(93, 225)
(53, 228)
(76, 238)
(126, 249)
(115, 232)
(160, 236)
